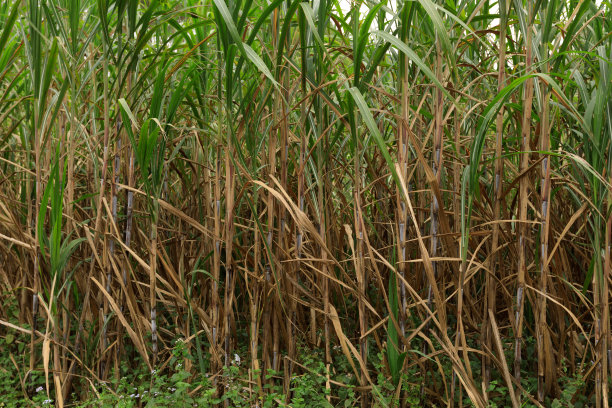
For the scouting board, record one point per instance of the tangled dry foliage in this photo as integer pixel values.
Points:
(429, 179)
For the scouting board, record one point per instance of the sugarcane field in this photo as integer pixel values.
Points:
(305, 203)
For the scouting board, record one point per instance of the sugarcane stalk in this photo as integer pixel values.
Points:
(111, 248)
(541, 328)
(524, 199)
(215, 306)
(402, 158)
(606, 363)
(229, 237)
(495, 258)
(153, 278)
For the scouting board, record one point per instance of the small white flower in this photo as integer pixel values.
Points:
(236, 359)
(153, 372)
(39, 389)
(47, 401)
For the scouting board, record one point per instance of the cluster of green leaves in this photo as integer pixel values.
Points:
(178, 388)
(171, 388)
(13, 391)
